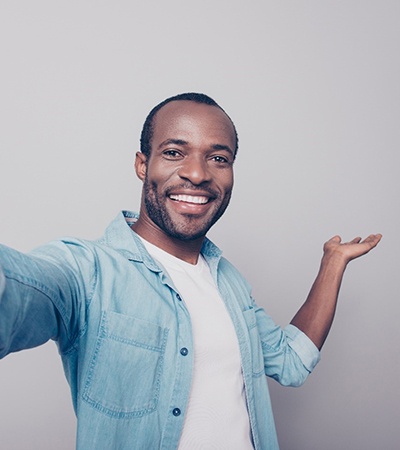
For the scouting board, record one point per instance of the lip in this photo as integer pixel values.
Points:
(191, 199)
(192, 192)
(181, 201)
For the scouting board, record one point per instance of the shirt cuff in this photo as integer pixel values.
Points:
(303, 346)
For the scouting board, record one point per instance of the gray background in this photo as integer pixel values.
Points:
(313, 87)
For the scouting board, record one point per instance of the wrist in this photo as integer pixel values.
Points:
(334, 260)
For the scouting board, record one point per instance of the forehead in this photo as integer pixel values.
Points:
(189, 120)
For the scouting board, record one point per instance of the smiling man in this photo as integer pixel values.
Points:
(187, 176)
(162, 343)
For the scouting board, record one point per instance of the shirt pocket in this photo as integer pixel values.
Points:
(125, 371)
(257, 357)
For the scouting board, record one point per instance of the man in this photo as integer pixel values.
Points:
(161, 341)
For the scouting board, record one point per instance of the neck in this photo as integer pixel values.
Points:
(186, 250)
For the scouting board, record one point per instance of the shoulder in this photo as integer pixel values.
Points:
(226, 268)
(67, 253)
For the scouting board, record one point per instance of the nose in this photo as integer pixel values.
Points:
(195, 170)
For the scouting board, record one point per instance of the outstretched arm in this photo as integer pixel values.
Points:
(44, 295)
(315, 317)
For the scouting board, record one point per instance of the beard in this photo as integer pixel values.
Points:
(190, 227)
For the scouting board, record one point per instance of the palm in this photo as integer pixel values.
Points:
(353, 249)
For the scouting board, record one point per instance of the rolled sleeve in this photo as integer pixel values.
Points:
(303, 346)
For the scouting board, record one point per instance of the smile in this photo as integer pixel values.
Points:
(196, 199)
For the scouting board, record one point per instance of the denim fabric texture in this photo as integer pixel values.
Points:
(120, 326)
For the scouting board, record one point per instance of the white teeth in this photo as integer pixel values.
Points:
(189, 199)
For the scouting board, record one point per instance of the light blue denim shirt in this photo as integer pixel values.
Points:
(124, 335)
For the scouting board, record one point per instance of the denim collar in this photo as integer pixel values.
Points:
(123, 239)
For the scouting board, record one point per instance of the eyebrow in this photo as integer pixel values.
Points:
(173, 141)
(182, 143)
(222, 147)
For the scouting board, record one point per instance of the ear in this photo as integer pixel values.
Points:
(140, 165)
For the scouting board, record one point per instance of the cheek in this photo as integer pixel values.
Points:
(227, 182)
(159, 174)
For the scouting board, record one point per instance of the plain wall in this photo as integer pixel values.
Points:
(313, 87)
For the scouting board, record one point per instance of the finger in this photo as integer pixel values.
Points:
(356, 240)
(372, 240)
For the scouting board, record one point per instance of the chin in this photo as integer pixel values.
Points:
(185, 234)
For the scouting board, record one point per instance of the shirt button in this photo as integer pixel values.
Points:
(178, 297)
(184, 351)
(176, 412)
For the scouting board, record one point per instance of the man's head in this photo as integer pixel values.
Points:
(147, 130)
(186, 164)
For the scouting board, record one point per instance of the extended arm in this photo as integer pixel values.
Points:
(315, 317)
(40, 296)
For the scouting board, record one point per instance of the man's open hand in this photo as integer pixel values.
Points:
(348, 251)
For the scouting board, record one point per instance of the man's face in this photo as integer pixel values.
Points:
(188, 176)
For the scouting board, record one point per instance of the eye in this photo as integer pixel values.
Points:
(220, 159)
(171, 154)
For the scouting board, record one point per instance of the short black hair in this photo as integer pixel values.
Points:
(147, 130)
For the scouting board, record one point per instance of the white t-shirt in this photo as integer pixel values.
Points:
(217, 416)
